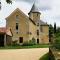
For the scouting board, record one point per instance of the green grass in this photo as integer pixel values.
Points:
(45, 57)
(25, 47)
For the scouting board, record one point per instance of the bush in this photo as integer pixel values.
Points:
(27, 43)
(30, 43)
(33, 41)
(14, 43)
(56, 43)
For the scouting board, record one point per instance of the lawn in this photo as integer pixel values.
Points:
(25, 47)
(47, 57)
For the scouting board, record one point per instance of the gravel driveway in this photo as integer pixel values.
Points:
(23, 54)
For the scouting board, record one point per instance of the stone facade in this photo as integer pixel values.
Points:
(25, 28)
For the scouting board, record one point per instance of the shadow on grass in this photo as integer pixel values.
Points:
(47, 57)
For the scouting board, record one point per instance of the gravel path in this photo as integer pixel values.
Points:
(23, 54)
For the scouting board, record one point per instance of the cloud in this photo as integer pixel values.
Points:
(41, 4)
(29, 1)
(50, 9)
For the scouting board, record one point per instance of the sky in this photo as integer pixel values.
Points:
(49, 9)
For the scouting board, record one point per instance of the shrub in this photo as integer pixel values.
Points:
(33, 41)
(27, 43)
(14, 43)
(30, 43)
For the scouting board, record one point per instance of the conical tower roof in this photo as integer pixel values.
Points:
(34, 8)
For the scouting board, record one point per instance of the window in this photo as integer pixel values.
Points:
(37, 32)
(17, 17)
(41, 29)
(37, 24)
(38, 41)
(37, 14)
(21, 40)
(16, 26)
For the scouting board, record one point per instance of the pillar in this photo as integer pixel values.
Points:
(5, 40)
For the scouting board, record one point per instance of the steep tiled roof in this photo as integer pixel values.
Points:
(6, 31)
(34, 9)
(43, 23)
(2, 30)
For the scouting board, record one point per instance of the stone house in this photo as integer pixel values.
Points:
(24, 28)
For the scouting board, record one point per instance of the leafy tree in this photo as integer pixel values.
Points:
(57, 39)
(54, 27)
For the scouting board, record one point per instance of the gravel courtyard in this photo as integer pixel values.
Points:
(23, 54)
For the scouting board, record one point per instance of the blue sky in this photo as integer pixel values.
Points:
(50, 10)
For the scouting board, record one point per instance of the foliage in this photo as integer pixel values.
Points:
(56, 43)
(14, 43)
(54, 27)
(51, 31)
(45, 57)
(30, 43)
(26, 43)
(51, 56)
(33, 41)
(25, 47)
(9, 1)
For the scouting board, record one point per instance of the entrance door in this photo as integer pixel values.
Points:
(38, 41)
(1, 39)
(21, 40)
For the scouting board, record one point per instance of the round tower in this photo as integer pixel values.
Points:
(34, 13)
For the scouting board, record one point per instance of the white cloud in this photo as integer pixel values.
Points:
(50, 9)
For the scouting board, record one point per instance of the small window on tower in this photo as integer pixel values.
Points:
(37, 14)
(37, 32)
(37, 24)
(41, 29)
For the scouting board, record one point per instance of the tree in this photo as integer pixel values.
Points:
(51, 31)
(54, 27)
(57, 39)
(9, 1)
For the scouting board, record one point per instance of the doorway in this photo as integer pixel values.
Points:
(1, 39)
(20, 39)
(37, 41)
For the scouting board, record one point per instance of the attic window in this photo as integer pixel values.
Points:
(17, 17)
